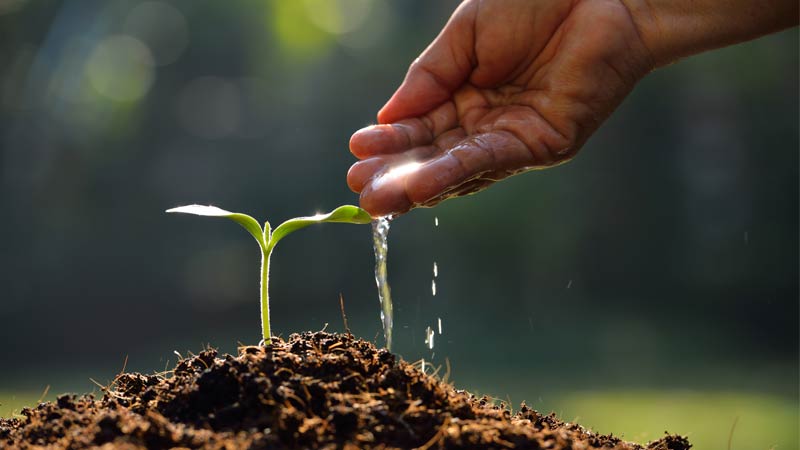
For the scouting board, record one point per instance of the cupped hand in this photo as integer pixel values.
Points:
(507, 86)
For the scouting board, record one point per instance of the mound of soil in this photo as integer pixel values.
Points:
(316, 390)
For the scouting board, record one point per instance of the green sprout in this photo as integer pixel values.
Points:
(267, 238)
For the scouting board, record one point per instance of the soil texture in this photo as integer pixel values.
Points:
(314, 390)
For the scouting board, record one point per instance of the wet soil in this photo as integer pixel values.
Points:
(314, 390)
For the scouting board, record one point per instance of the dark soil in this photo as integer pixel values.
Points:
(316, 390)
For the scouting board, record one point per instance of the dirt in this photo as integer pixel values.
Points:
(315, 390)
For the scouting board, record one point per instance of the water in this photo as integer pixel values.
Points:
(429, 338)
(380, 233)
(433, 282)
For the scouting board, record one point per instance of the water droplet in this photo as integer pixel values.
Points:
(440, 325)
(429, 337)
(433, 287)
(423, 365)
(380, 233)
(436, 221)
(569, 284)
(435, 270)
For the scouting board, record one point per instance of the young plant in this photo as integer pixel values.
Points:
(267, 238)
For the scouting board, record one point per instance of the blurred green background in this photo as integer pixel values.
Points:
(650, 285)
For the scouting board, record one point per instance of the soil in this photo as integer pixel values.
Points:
(314, 390)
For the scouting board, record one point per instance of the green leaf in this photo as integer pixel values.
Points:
(342, 214)
(250, 224)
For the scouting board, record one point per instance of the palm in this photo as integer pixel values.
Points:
(495, 96)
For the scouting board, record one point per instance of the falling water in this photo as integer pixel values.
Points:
(380, 232)
(429, 338)
(433, 282)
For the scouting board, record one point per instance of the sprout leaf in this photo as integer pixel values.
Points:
(342, 214)
(250, 224)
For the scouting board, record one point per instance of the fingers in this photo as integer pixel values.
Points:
(429, 181)
(470, 159)
(389, 138)
(438, 72)
(404, 135)
(363, 171)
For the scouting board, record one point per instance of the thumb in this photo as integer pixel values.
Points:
(437, 72)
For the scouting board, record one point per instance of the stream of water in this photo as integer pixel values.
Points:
(380, 233)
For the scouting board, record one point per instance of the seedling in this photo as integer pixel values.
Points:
(267, 238)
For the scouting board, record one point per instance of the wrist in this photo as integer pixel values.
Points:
(674, 29)
(646, 20)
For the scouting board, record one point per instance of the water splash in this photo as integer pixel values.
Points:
(380, 233)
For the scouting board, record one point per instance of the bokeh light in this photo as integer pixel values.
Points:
(298, 36)
(338, 16)
(373, 29)
(69, 80)
(161, 27)
(121, 68)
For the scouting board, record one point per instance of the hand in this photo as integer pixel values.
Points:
(507, 86)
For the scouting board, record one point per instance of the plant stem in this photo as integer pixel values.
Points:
(265, 331)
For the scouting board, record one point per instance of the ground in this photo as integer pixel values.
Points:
(314, 390)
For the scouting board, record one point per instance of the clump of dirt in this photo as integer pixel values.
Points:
(315, 390)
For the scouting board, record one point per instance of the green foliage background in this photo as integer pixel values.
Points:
(651, 284)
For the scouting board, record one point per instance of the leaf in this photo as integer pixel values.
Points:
(267, 231)
(342, 214)
(250, 224)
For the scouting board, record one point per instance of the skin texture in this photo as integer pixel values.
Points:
(514, 85)
(673, 29)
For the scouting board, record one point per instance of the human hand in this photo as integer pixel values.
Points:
(507, 86)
